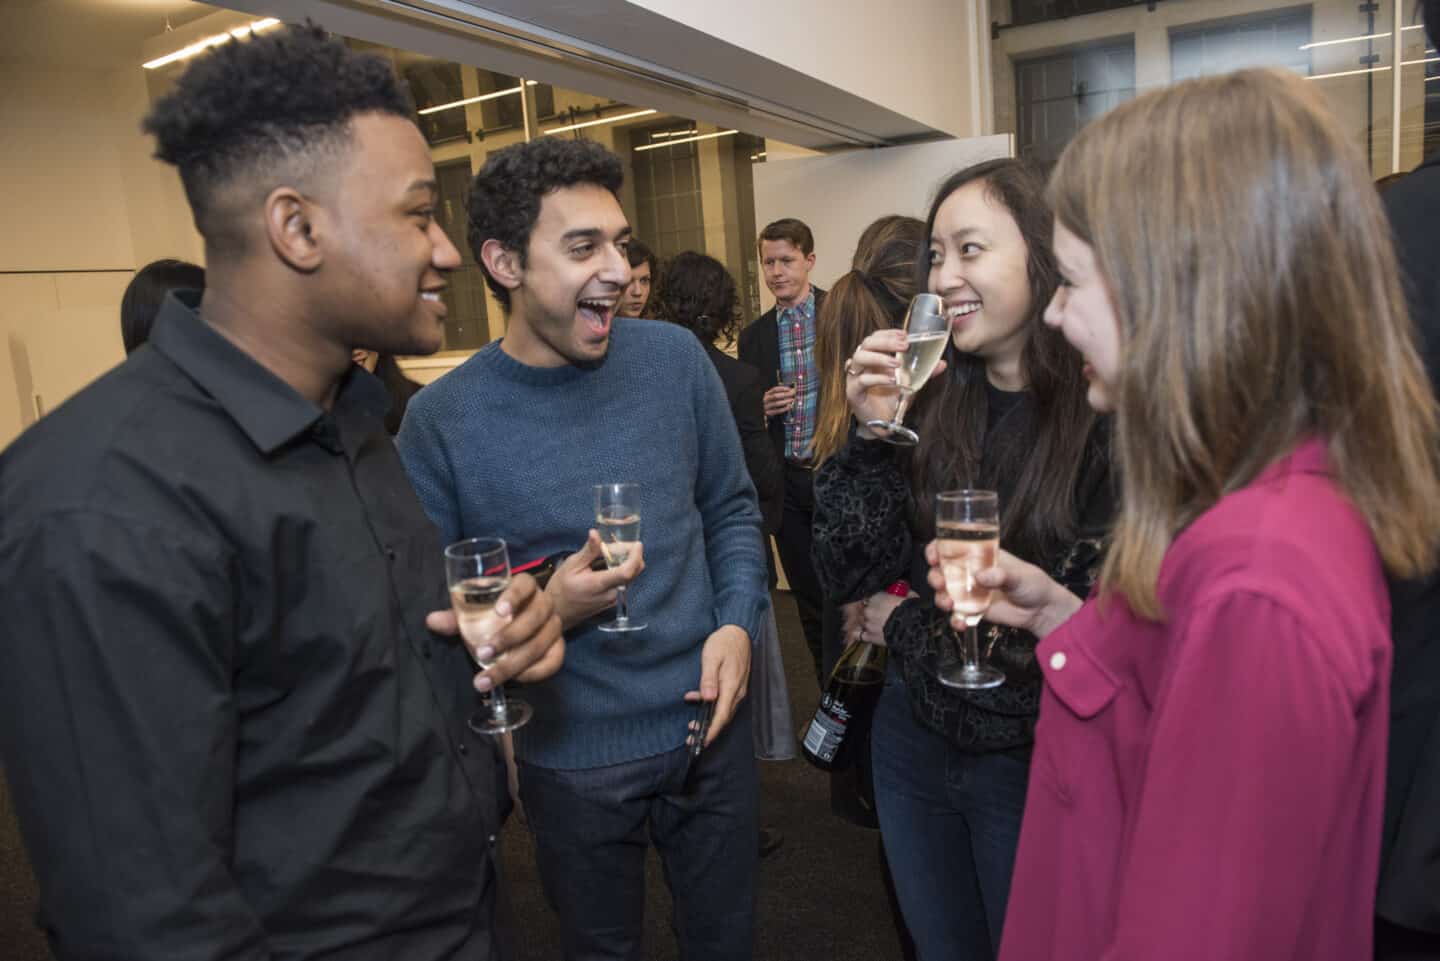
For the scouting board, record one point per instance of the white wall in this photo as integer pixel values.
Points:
(85, 205)
(917, 58)
(840, 195)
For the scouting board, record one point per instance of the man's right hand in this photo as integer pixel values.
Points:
(580, 593)
(778, 400)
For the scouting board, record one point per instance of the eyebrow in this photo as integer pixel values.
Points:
(960, 234)
(429, 186)
(591, 233)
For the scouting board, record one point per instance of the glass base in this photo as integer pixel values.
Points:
(978, 678)
(619, 626)
(491, 723)
(897, 434)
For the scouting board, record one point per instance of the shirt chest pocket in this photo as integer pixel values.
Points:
(1073, 737)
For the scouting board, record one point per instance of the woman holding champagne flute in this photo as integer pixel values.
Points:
(1210, 759)
(1004, 410)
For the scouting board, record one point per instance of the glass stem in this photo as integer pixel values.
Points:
(499, 709)
(622, 613)
(902, 405)
(970, 647)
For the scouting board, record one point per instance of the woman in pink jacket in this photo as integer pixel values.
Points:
(1210, 756)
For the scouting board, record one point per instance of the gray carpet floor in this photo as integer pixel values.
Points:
(821, 894)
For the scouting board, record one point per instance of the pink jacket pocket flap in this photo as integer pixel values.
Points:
(1078, 680)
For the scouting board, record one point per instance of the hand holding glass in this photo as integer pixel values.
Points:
(967, 535)
(617, 517)
(478, 571)
(926, 332)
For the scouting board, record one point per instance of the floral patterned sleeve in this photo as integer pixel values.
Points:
(862, 539)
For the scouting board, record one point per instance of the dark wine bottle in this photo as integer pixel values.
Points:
(843, 718)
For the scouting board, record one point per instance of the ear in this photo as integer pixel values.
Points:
(502, 263)
(290, 229)
(810, 260)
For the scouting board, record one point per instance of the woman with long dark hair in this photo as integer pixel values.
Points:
(1006, 413)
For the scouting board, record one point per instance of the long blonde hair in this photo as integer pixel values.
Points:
(1258, 302)
(869, 298)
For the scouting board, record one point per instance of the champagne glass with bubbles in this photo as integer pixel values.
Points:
(967, 535)
(927, 331)
(617, 518)
(478, 571)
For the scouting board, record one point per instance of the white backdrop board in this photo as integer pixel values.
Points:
(841, 194)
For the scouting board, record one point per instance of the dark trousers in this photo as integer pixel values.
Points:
(592, 828)
(951, 824)
(793, 541)
(1394, 943)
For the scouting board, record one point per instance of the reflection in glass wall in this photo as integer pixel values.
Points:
(1060, 63)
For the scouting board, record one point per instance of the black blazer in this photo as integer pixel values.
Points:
(745, 390)
(1410, 852)
(760, 348)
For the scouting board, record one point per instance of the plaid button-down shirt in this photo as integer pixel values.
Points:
(797, 367)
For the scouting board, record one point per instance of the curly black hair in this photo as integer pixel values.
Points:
(274, 106)
(505, 195)
(698, 293)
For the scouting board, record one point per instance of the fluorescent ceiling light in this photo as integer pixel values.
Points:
(1352, 73)
(484, 96)
(603, 120)
(184, 53)
(703, 136)
(658, 134)
(1368, 36)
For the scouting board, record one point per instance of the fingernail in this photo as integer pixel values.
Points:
(483, 684)
(485, 654)
(503, 608)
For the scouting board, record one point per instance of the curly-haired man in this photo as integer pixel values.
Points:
(229, 724)
(570, 398)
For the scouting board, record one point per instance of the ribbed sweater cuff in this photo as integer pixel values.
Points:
(747, 614)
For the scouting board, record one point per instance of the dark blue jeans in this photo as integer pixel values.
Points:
(951, 823)
(592, 828)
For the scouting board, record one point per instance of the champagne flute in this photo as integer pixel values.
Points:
(617, 517)
(477, 571)
(927, 332)
(967, 535)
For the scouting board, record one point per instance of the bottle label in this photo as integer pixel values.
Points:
(827, 730)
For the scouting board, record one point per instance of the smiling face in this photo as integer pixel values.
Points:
(574, 275)
(978, 267)
(1084, 313)
(385, 256)
(786, 270)
(637, 292)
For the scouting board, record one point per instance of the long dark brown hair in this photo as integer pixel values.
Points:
(1045, 439)
(871, 297)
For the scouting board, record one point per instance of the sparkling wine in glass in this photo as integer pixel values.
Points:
(927, 332)
(967, 535)
(617, 518)
(477, 571)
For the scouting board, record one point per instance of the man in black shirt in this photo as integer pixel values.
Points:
(231, 713)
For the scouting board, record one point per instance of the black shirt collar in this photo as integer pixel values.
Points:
(268, 410)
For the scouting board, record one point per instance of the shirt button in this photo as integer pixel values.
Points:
(1057, 661)
(462, 748)
(491, 839)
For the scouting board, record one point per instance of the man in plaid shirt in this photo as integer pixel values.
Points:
(781, 345)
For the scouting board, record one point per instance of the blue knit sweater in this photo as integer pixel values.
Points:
(498, 448)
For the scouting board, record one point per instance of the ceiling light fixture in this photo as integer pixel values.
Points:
(1352, 73)
(484, 96)
(602, 120)
(1368, 36)
(200, 46)
(672, 143)
(657, 134)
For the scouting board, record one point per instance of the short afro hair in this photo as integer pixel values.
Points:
(268, 108)
(699, 294)
(506, 194)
